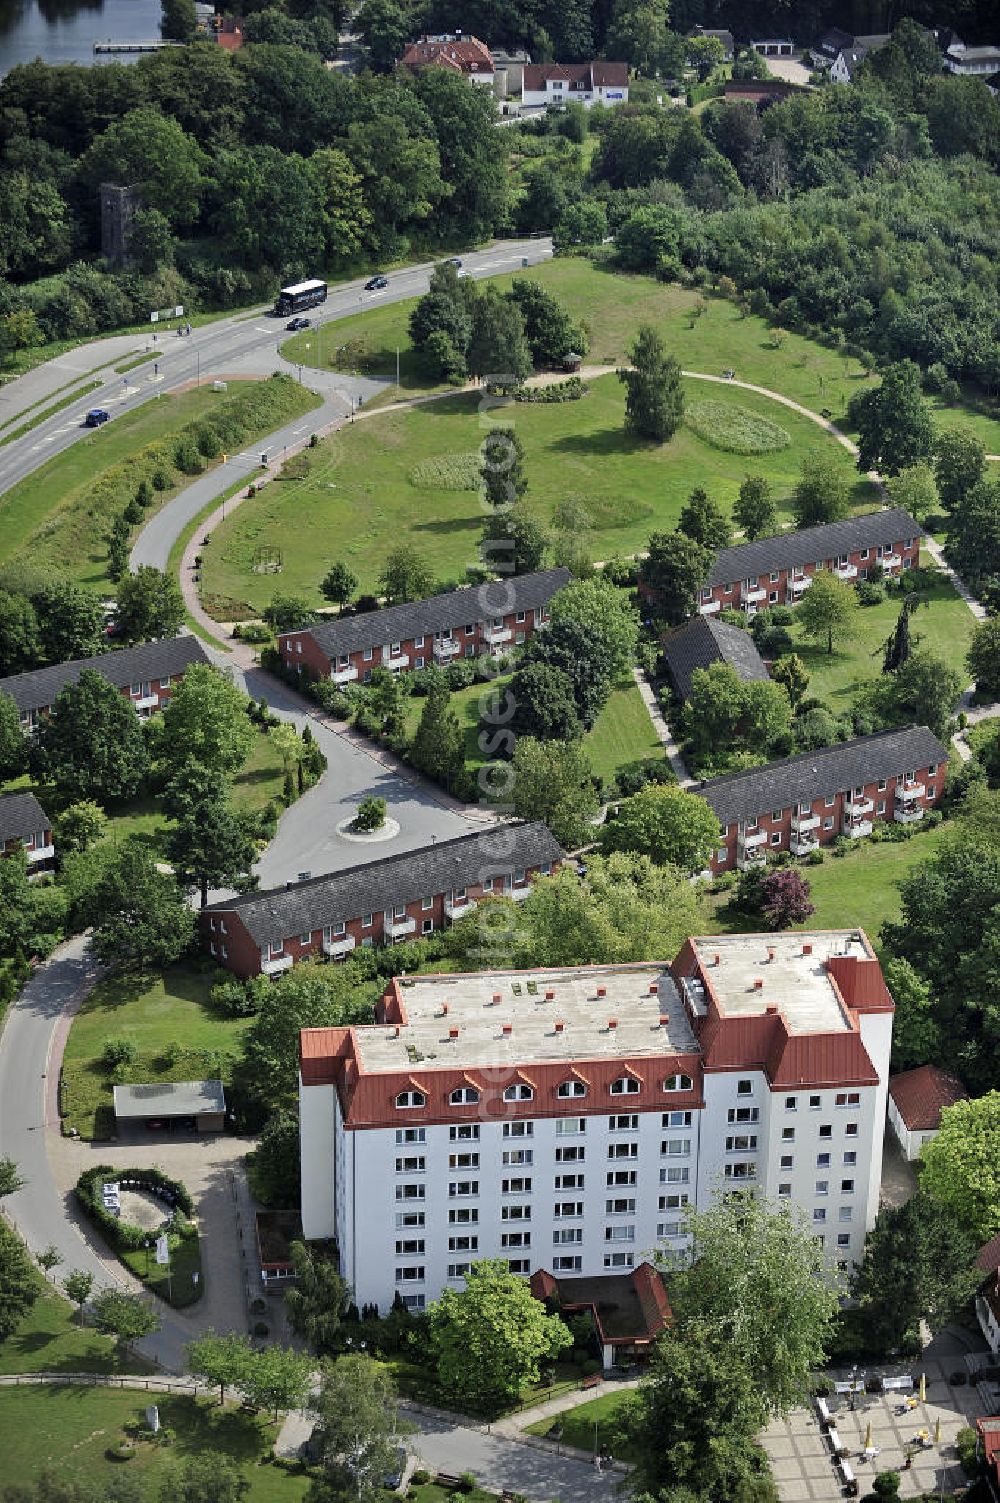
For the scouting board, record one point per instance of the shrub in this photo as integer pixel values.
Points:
(869, 593)
(965, 1445)
(118, 1051)
(420, 1477)
(207, 442)
(560, 391)
(187, 458)
(370, 815)
(737, 430)
(447, 472)
(234, 998)
(467, 1482)
(841, 845)
(815, 858)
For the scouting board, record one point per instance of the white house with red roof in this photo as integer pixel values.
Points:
(465, 55)
(562, 1119)
(588, 83)
(916, 1100)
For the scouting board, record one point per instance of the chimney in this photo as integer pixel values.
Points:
(559, 1025)
(602, 991)
(506, 1029)
(497, 999)
(771, 952)
(664, 1020)
(654, 987)
(612, 1023)
(758, 983)
(453, 1033)
(807, 949)
(444, 1009)
(550, 996)
(716, 959)
(396, 1033)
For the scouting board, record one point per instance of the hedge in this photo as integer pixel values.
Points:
(123, 1235)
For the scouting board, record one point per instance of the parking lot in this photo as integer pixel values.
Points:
(801, 1455)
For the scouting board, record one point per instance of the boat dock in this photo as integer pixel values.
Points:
(152, 46)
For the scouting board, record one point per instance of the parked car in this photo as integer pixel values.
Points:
(96, 416)
(394, 1476)
(295, 324)
(454, 261)
(375, 284)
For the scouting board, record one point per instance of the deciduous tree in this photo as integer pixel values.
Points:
(667, 824)
(704, 520)
(791, 673)
(554, 783)
(983, 657)
(501, 466)
(916, 1037)
(359, 1425)
(894, 426)
(223, 1360)
(78, 1285)
(512, 542)
(821, 491)
(211, 844)
(70, 621)
(961, 1165)
(20, 639)
(406, 575)
(208, 1477)
(150, 605)
(545, 703)
(19, 1281)
(654, 400)
(498, 350)
(318, 1299)
(674, 571)
(13, 743)
(828, 609)
(959, 465)
(206, 723)
(278, 1378)
(915, 491)
(92, 744)
(139, 916)
(127, 1317)
(338, 584)
(754, 510)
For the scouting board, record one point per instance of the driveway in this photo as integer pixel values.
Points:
(499, 1463)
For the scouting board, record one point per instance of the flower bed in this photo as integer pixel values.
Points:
(737, 430)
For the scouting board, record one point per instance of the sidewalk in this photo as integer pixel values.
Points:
(662, 730)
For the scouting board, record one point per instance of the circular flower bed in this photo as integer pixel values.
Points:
(737, 430)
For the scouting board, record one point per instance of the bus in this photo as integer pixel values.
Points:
(301, 295)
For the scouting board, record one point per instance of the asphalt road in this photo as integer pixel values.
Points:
(498, 1463)
(244, 344)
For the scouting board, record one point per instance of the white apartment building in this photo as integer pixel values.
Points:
(562, 1119)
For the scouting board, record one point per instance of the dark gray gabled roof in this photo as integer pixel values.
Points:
(422, 618)
(148, 660)
(21, 814)
(279, 912)
(812, 545)
(816, 774)
(700, 642)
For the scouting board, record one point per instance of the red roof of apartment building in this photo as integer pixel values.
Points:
(921, 1095)
(460, 53)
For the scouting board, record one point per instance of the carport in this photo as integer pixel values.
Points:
(169, 1105)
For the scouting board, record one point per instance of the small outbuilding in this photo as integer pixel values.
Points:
(916, 1100)
(173, 1105)
(700, 642)
(629, 1310)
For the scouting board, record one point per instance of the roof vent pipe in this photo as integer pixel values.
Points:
(758, 983)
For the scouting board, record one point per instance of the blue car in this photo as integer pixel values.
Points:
(95, 417)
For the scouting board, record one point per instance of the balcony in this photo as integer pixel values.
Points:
(854, 829)
(802, 845)
(751, 839)
(497, 635)
(39, 853)
(457, 910)
(445, 650)
(857, 808)
(400, 928)
(276, 965)
(752, 596)
(518, 893)
(394, 661)
(755, 856)
(796, 586)
(891, 561)
(335, 948)
(146, 702)
(908, 816)
(802, 822)
(709, 607)
(846, 571)
(910, 791)
(344, 675)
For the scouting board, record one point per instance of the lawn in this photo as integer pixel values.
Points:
(51, 509)
(944, 625)
(590, 1422)
(49, 1340)
(368, 488)
(169, 1018)
(860, 888)
(68, 1430)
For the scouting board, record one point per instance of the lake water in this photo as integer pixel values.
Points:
(64, 31)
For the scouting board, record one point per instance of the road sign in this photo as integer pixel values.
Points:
(162, 1250)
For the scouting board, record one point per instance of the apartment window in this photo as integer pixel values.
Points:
(828, 823)
(619, 1233)
(743, 1142)
(518, 1129)
(463, 1216)
(741, 1114)
(567, 1263)
(569, 1126)
(413, 1274)
(843, 1239)
(367, 921)
(419, 641)
(677, 1083)
(411, 1135)
(788, 1134)
(622, 1150)
(822, 1161)
(619, 1260)
(465, 1132)
(410, 1247)
(825, 1130)
(570, 1154)
(830, 800)
(847, 1187)
(675, 1175)
(815, 1102)
(672, 1202)
(791, 1103)
(427, 926)
(518, 1092)
(569, 1088)
(516, 1157)
(625, 1085)
(846, 1213)
(415, 1164)
(624, 1122)
(675, 1119)
(463, 1244)
(406, 1219)
(463, 1188)
(414, 1301)
(410, 1098)
(668, 1229)
(822, 1187)
(848, 1098)
(742, 1169)
(882, 785)
(569, 1182)
(932, 769)
(786, 1161)
(819, 1215)
(624, 1206)
(672, 1147)
(463, 1161)
(517, 1186)
(515, 1239)
(458, 1270)
(850, 1158)
(426, 903)
(410, 1192)
(368, 654)
(784, 1190)
(515, 1213)
(567, 1236)
(626, 1177)
(880, 806)
(519, 1265)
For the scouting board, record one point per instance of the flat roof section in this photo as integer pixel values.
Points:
(166, 1098)
(792, 980)
(529, 1025)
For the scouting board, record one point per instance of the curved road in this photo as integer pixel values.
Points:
(243, 344)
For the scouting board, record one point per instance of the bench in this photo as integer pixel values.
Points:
(592, 1380)
(447, 1479)
(823, 1410)
(834, 1438)
(847, 1476)
(897, 1385)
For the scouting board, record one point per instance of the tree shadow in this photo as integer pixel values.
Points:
(605, 441)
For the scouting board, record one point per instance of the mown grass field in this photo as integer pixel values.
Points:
(68, 1430)
(49, 510)
(366, 490)
(590, 1423)
(50, 1340)
(169, 1018)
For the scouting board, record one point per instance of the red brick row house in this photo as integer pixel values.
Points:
(803, 802)
(489, 618)
(25, 826)
(778, 570)
(379, 903)
(146, 674)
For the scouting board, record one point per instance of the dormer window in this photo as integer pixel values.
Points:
(677, 1083)
(625, 1085)
(518, 1093)
(464, 1096)
(569, 1088)
(410, 1098)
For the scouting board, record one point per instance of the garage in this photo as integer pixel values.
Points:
(172, 1106)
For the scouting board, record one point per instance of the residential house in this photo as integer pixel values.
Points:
(849, 59)
(25, 826)
(778, 570)
(702, 641)
(721, 35)
(916, 1100)
(971, 62)
(377, 903)
(482, 619)
(587, 83)
(629, 1310)
(508, 64)
(146, 675)
(759, 91)
(807, 801)
(562, 1119)
(464, 55)
(830, 45)
(774, 47)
